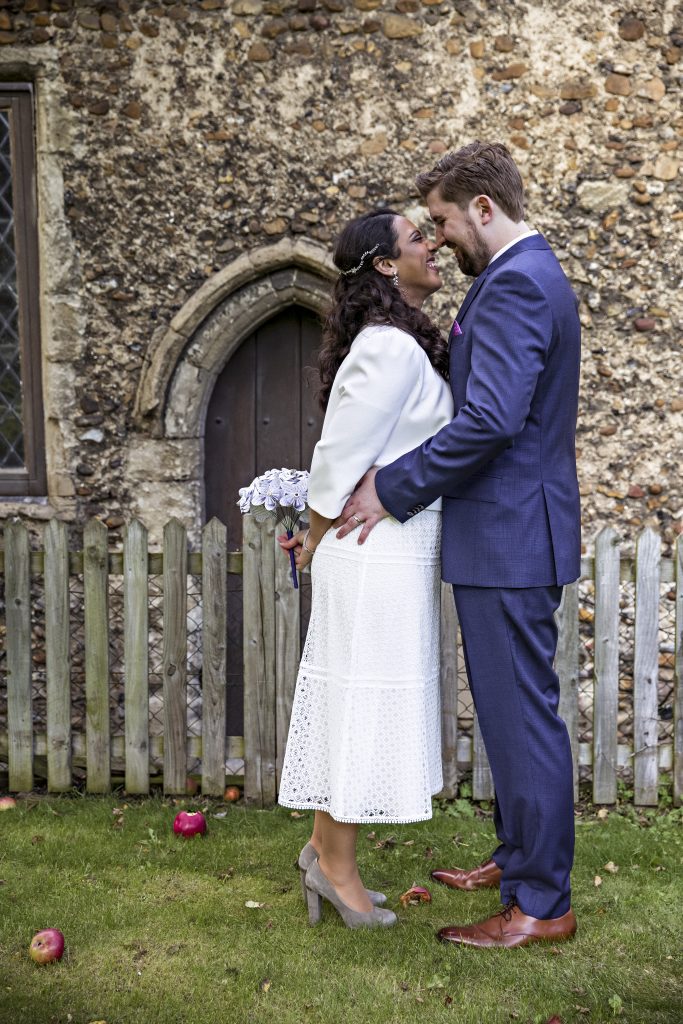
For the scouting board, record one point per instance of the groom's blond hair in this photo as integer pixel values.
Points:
(482, 168)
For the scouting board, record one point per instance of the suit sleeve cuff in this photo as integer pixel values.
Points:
(387, 502)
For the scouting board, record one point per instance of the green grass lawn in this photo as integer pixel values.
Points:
(157, 927)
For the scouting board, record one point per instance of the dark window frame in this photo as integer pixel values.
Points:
(30, 480)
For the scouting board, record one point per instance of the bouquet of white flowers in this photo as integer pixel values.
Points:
(283, 492)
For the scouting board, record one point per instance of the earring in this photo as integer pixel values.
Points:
(394, 278)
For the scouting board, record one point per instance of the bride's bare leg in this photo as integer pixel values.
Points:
(316, 839)
(338, 861)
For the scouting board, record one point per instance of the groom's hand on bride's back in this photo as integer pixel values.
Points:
(363, 510)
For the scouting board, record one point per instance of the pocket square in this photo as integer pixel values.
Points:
(456, 328)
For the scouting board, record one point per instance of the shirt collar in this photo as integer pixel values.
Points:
(527, 234)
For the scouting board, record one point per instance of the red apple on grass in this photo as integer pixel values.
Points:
(47, 946)
(232, 793)
(189, 823)
(7, 803)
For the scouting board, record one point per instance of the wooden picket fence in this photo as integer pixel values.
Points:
(271, 653)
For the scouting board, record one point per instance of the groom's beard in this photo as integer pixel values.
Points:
(474, 256)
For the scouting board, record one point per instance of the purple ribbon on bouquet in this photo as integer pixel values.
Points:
(292, 562)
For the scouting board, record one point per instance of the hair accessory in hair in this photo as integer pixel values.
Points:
(354, 270)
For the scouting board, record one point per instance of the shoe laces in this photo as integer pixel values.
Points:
(508, 910)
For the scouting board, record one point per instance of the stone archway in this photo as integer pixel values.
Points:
(165, 462)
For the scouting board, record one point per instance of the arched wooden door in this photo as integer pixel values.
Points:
(263, 414)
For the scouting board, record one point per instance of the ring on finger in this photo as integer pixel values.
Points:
(359, 521)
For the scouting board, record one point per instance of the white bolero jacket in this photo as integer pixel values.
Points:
(386, 399)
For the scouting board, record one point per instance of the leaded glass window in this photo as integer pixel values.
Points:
(21, 432)
(11, 428)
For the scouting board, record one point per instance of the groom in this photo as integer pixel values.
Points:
(511, 529)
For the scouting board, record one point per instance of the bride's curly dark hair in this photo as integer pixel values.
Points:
(367, 297)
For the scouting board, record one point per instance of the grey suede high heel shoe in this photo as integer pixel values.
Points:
(318, 888)
(306, 858)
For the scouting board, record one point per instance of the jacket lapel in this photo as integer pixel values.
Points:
(471, 295)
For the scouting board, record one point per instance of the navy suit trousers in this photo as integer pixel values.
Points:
(510, 638)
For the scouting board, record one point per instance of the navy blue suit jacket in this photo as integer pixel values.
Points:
(506, 464)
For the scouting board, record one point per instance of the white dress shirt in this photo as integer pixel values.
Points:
(526, 234)
(386, 399)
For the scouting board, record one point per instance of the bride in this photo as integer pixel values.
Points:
(364, 737)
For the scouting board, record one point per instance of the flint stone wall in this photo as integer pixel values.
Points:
(177, 139)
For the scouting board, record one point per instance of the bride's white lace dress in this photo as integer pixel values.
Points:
(364, 737)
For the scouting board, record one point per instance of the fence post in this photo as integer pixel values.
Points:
(567, 667)
(646, 670)
(174, 657)
(96, 611)
(287, 650)
(19, 706)
(258, 548)
(57, 656)
(606, 667)
(678, 675)
(214, 668)
(136, 657)
(449, 692)
(482, 779)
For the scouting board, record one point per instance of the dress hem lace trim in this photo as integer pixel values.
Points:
(369, 820)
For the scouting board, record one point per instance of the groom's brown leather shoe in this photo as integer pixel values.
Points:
(509, 928)
(486, 876)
